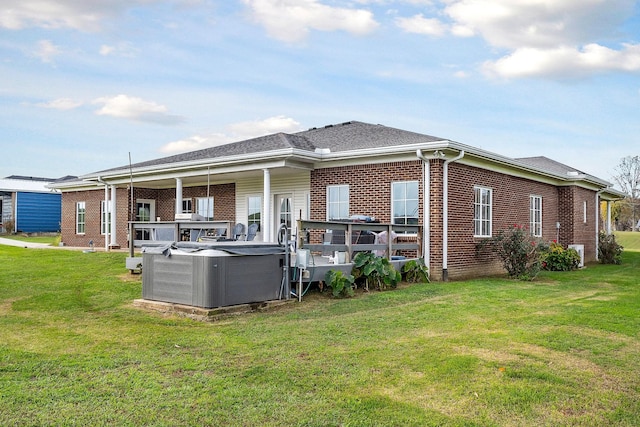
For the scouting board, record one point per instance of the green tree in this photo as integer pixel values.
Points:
(628, 179)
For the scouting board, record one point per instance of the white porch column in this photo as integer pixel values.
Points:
(114, 215)
(266, 206)
(608, 217)
(178, 196)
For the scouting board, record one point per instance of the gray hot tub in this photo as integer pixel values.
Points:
(213, 274)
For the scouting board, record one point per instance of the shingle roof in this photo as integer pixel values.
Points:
(546, 164)
(351, 135)
(357, 135)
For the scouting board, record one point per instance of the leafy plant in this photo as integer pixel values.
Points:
(341, 284)
(557, 258)
(375, 270)
(609, 251)
(415, 271)
(517, 250)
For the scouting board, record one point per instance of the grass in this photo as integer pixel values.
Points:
(563, 350)
(630, 240)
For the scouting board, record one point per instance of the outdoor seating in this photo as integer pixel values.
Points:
(238, 232)
(251, 232)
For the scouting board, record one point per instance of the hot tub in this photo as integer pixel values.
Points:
(212, 275)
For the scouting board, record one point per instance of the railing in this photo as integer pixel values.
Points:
(408, 237)
(174, 231)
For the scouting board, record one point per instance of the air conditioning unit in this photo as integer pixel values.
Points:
(580, 250)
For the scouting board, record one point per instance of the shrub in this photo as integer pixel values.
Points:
(376, 270)
(415, 271)
(8, 226)
(557, 258)
(341, 284)
(609, 251)
(518, 252)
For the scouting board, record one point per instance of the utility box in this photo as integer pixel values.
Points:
(580, 250)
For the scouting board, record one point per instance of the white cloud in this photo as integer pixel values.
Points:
(539, 23)
(76, 14)
(418, 24)
(123, 49)
(547, 38)
(46, 51)
(196, 142)
(566, 62)
(250, 129)
(61, 104)
(291, 20)
(83, 15)
(234, 132)
(137, 109)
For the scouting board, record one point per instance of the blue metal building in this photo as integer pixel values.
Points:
(29, 205)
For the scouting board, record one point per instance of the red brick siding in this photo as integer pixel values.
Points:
(369, 187)
(224, 209)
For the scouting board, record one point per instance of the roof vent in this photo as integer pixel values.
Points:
(323, 150)
(573, 174)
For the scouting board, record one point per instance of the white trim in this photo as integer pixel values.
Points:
(481, 219)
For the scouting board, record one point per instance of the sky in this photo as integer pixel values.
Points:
(86, 84)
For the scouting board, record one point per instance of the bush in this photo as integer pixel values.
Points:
(518, 252)
(8, 226)
(557, 258)
(341, 284)
(376, 270)
(415, 271)
(609, 251)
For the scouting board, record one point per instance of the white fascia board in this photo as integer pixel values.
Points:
(515, 167)
(229, 164)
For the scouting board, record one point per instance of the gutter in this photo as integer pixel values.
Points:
(445, 213)
(437, 154)
(106, 202)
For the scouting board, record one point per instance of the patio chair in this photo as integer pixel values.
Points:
(251, 232)
(238, 232)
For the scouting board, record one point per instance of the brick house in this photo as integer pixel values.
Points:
(458, 193)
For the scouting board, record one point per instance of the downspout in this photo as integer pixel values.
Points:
(426, 213)
(106, 202)
(445, 213)
(598, 221)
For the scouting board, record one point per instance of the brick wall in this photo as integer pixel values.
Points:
(224, 209)
(369, 187)
(370, 194)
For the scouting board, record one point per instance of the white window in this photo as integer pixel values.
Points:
(145, 211)
(584, 212)
(105, 217)
(337, 202)
(80, 217)
(482, 212)
(204, 207)
(254, 210)
(404, 202)
(187, 206)
(535, 215)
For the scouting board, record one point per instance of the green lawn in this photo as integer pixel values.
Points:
(563, 350)
(630, 240)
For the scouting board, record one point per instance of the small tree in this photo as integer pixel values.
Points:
(628, 179)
